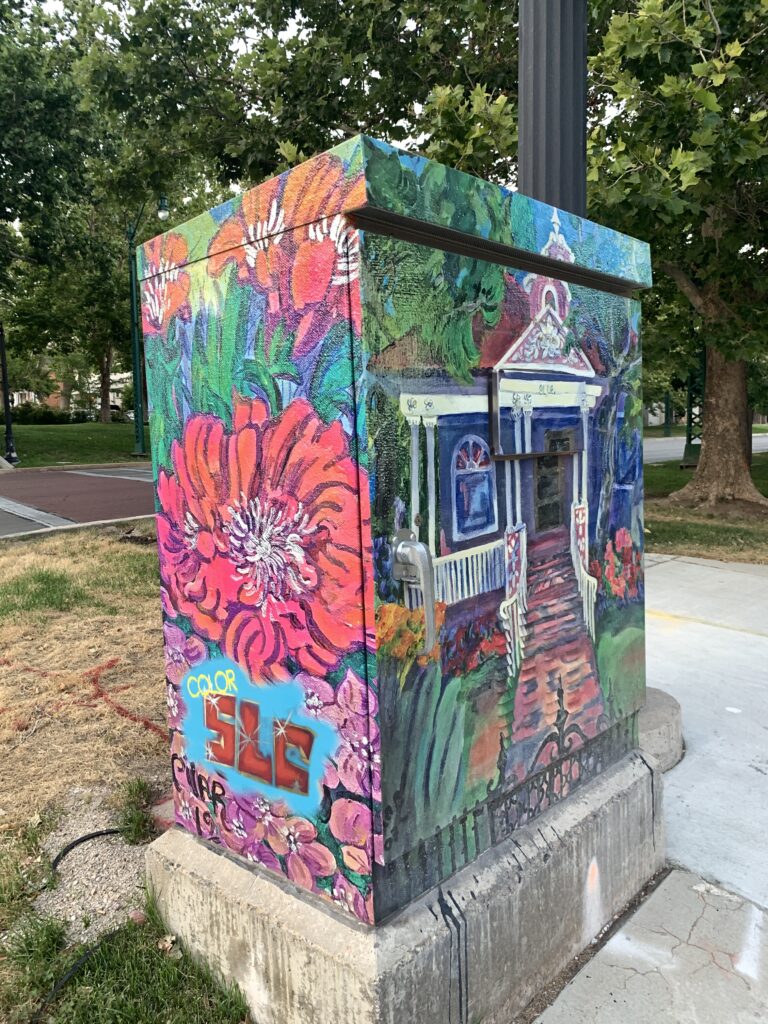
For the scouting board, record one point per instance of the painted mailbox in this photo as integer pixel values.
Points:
(396, 430)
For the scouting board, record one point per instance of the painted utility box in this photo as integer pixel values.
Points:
(396, 430)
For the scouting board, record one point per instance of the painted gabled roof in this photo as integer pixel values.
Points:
(384, 185)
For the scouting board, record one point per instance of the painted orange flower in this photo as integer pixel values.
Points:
(281, 243)
(165, 293)
(259, 535)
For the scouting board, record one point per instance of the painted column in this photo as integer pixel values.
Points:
(517, 413)
(575, 480)
(528, 414)
(415, 422)
(508, 492)
(430, 422)
(584, 459)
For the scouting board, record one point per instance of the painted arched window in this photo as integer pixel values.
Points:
(474, 489)
(550, 299)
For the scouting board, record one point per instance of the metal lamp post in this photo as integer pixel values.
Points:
(552, 150)
(10, 451)
(163, 212)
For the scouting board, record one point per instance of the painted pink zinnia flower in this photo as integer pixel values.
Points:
(259, 538)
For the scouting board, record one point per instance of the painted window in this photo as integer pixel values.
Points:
(474, 489)
(550, 299)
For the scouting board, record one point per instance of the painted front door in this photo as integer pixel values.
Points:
(550, 481)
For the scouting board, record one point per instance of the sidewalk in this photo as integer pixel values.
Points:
(697, 952)
(692, 954)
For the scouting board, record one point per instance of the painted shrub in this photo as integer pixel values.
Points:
(313, 389)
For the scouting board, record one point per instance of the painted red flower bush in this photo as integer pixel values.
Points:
(259, 538)
(165, 293)
(306, 270)
(621, 572)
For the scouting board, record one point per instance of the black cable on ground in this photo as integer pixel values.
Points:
(82, 839)
(89, 951)
(67, 976)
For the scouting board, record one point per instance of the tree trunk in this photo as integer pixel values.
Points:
(723, 473)
(105, 382)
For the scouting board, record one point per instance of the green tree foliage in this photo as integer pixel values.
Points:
(679, 155)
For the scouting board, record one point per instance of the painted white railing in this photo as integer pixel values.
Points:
(587, 584)
(522, 588)
(464, 574)
(514, 633)
(468, 573)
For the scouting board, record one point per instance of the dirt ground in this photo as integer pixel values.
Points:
(82, 696)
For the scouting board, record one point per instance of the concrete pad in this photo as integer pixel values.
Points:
(660, 728)
(707, 645)
(692, 953)
(472, 951)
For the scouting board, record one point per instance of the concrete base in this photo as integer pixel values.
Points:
(473, 951)
(660, 727)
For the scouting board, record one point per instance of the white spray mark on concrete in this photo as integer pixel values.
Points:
(628, 948)
(713, 890)
(748, 961)
(734, 711)
(594, 915)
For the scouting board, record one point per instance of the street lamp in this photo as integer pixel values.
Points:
(10, 451)
(163, 213)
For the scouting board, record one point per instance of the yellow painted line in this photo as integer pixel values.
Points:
(671, 617)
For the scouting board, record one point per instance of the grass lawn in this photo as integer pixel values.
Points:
(58, 444)
(81, 682)
(135, 975)
(735, 537)
(678, 430)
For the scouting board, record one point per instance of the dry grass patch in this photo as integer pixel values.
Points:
(81, 668)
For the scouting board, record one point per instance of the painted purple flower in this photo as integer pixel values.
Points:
(358, 759)
(351, 823)
(260, 853)
(181, 652)
(354, 699)
(319, 698)
(256, 819)
(177, 709)
(348, 897)
(305, 858)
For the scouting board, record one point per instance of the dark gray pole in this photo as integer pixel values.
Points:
(10, 451)
(552, 99)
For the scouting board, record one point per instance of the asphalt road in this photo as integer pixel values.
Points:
(38, 499)
(670, 449)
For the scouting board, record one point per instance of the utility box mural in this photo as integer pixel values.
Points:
(396, 430)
